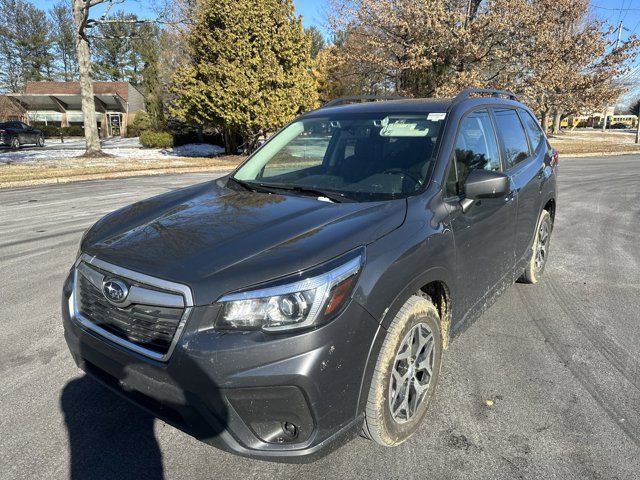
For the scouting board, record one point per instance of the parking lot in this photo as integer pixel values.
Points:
(546, 384)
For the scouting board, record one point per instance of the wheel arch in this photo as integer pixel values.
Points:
(435, 284)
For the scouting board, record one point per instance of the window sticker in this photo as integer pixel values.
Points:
(404, 127)
(436, 117)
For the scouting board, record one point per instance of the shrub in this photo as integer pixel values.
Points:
(49, 131)
(141, 120)
(133, 131)
(72, 131)
(151, 139)
(184, 134)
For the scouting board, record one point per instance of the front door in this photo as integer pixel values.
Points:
(484, 235)
(525, 166)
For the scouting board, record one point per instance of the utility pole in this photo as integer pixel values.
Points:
(604, 123)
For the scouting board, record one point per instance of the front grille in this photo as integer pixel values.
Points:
(148, 326)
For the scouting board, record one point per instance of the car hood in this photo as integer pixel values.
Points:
(217, 239)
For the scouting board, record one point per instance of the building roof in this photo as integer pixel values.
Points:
(66, 96)
(73, 88)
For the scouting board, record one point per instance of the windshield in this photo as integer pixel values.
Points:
(365, 157)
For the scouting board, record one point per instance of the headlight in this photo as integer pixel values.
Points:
(298, 304)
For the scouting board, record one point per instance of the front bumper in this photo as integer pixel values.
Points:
(242, 391)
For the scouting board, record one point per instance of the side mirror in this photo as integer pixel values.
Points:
(484, 184)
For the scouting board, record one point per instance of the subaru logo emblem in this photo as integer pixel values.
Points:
(115, 291)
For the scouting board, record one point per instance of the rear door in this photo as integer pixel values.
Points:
(20, 131)
(524, 161)
(30, 133)
(484, 235)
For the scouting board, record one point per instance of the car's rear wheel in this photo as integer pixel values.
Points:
(15, 143)
(406, 374)
(40, 141)
(540, 250)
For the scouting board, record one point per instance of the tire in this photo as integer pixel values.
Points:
(40, 141)
(15, 143)
(381, 424)
(535, 268)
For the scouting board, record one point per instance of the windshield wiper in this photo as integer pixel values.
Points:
(250, 186)
(333, 196)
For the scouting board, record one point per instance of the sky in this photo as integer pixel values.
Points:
(313, 11)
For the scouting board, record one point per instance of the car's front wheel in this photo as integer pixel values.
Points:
(540, 250)
(406, 373)
(40, 141)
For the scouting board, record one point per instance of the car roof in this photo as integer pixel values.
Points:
(408, 106)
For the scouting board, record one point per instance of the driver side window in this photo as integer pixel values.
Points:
(476, 148)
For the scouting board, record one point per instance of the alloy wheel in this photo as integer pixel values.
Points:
(411, 373)
(542, 246)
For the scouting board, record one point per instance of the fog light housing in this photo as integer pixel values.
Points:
(274, 414)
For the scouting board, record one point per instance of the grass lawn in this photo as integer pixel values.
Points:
(73, 169)
(590, 141)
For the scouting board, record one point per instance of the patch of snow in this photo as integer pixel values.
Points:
(119, 147)
(196, 150)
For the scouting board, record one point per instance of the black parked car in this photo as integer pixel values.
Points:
(308, 296)
(14, 134)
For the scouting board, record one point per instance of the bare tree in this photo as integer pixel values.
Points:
(82, 22)
(80, 19)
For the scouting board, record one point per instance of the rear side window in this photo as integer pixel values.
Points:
(475, 148)
(533, 128)
(513, 137)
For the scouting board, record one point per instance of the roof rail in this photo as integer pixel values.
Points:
(359, 98)
(467, 92)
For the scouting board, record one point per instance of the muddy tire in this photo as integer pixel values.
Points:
(540, 250)
(406, 374)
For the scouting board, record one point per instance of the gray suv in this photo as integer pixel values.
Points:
(308, 296)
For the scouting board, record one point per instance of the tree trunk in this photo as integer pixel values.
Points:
(230, 141)
(545, 122)
(557, 117)
(80, 16)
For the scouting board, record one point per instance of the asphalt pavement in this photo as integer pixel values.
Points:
(546, 384)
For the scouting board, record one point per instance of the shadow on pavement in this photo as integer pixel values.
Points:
(113, 438)
(109, 437)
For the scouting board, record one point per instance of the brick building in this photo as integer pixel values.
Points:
(60, 104)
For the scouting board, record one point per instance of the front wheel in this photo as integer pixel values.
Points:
(406, 374)
(40, 141)
(540, 250)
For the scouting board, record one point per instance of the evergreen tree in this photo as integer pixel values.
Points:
(250, 69)
(148, 47)
(115, 58)
(25, 53)
(317, 40)
(63, 37)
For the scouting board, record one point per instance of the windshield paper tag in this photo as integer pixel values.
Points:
(436, 117)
